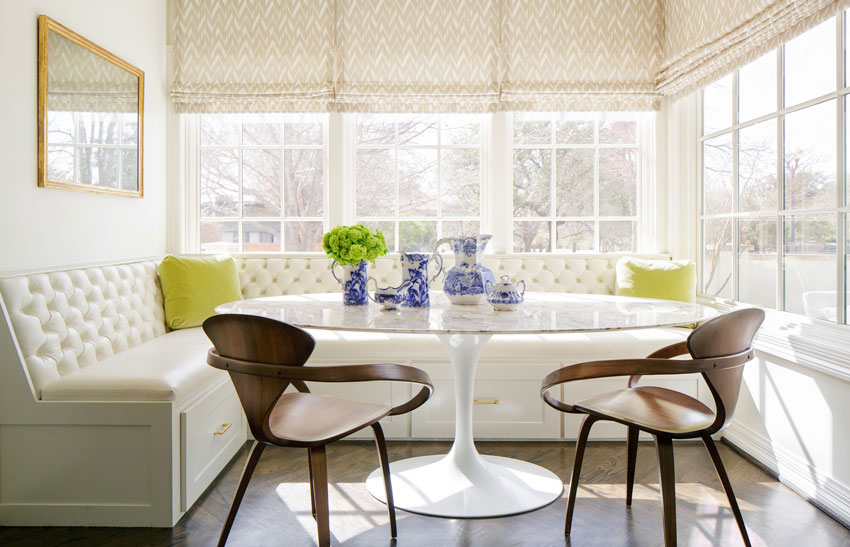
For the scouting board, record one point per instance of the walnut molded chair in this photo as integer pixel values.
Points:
(264, 357)
(718, 349)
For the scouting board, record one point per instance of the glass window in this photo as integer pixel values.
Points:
(810, 64)
(575, 182)
(717, 106)
(418, 177)
(262, 182)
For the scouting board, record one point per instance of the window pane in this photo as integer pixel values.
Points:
(375, 129)
(757, 262)
(129, 169)
(717, 257)
(810, 64)
(574, 128)
(575, 237)
(717, 175)
(60, 163)
(219, 237)
(460, 184)
(532, 171)
(130, 128)
(303, 130)
(532, 129)
(417, 235)
(375, 183)
(261, 129)
(616, 236)
(418, 130)
(460, 129)
(617, 181)
(385, 227)
(99, 166)
(304, 183)
(260, 237)
(717, 106)
(757, 88)
(98, 127)
(220, 129)
(574, 182)
(219, 183)
(261, 183)
(757, 167)
(531, 236)
(810, 157)
(809, 269)
(303, 237)
(417, 182)
(461, 228)
(60, 127)
(618, 128)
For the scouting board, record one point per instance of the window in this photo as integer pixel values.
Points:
(97, 148)
(773, 199)
(262, 182)
(418, 177)
(575, 182)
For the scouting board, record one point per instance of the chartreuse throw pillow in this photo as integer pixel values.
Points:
(664, 279)
(193, 286)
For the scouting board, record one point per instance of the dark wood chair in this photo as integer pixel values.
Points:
(718, 349)
(264, 357)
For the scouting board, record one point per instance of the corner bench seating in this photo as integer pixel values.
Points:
(107, 418)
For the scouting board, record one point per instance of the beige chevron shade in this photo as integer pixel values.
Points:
(467, 55)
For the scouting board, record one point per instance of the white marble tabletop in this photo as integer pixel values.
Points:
(540, 313)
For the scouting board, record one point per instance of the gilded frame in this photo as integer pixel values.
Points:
(45, 26)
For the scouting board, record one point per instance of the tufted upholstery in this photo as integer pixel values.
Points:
(65, 321)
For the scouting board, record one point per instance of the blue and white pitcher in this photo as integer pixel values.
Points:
(353, 283)
(465, 282)
(414, 272)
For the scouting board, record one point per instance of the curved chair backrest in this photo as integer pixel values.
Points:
(725, 335)
(263, 341)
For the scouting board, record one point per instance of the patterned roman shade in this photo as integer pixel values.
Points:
(580, 55)
(704, 41)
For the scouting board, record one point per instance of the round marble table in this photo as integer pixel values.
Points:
(463, 483)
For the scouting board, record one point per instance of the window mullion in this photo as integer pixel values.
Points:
(780, 180)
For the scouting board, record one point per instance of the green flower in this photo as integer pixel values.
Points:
(353, 244)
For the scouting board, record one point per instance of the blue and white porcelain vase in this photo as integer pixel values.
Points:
(465, 281)
(414, 271)
(353, 283)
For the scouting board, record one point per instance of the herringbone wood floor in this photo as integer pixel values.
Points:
(276, 509)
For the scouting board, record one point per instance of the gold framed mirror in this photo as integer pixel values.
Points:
(90, 115)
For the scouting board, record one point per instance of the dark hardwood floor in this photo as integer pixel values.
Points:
(276, 509)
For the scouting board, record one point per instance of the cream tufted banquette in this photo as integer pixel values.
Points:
(88, 352)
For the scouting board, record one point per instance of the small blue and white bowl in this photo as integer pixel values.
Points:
(504, 296)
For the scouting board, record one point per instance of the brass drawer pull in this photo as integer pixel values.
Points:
(222, 430)
(486, 402)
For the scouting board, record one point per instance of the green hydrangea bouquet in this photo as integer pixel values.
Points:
(354, 244)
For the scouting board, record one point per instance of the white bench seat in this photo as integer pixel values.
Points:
(171, 367)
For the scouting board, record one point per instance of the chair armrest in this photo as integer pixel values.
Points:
(667, 352)
(626, 367)
(339, 373)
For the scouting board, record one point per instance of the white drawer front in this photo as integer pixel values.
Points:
(576, 391)
(509, 404)
(212, 430)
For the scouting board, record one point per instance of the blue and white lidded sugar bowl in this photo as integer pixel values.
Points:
(504, 296)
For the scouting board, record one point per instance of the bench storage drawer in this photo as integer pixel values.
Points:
(212, 429)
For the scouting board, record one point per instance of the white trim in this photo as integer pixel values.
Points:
(822, 490)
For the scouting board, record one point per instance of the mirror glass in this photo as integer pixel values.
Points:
(91, 116)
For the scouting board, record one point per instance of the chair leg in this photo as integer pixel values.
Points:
(312, 494)
(385, 467)
(631, 448)
(727, 486)
(581, 443)
(250, 465)
(319, 463)
(667, 478)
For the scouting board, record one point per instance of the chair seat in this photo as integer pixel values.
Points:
(308, 419)
(651, 407)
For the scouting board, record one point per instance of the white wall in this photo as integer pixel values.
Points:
(45, 227)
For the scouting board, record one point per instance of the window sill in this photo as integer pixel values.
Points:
(811, 343)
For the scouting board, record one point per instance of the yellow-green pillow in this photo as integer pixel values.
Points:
(193, 286)
(664, 279)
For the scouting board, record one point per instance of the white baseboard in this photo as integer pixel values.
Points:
(821, 490)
